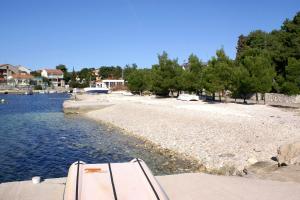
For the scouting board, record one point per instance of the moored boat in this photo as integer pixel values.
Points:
(131, 180)
(99, 88)
(28, 92)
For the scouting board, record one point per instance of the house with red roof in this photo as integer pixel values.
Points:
(21, 79)
(6, 72)
(55, 76)
(15, 76)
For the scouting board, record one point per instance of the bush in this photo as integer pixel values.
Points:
(289, 88)
(74, 84)
(38, 87)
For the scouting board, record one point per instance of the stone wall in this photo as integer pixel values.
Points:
(281, 99)
(253, 97)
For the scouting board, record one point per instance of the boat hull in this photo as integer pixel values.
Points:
(131, 180)
(96, 90)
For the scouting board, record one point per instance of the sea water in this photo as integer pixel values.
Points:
(38, 139)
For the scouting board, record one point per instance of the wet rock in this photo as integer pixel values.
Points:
(289, 154)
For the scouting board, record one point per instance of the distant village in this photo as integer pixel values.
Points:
(21, 77)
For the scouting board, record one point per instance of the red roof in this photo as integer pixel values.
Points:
(54, 72)
(22, 76)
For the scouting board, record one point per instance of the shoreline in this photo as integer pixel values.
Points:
(148, 144)
(173, 120)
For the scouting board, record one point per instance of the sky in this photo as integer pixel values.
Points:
(85, 33)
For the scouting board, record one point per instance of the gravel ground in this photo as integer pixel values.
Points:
(217, 134)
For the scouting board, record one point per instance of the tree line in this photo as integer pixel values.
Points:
(265, 62)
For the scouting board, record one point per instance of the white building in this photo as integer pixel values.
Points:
(55, 76)
(113, 83)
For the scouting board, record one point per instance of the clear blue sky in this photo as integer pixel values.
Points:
(40, 33)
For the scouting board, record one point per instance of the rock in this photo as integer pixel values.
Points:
(289, 154)
(262, 167)
(252, 160)
(229, 155)
(257, 150)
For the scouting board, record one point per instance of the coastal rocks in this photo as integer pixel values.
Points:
(289, 154)
(261, 168)
(270, 170)
(252, 160)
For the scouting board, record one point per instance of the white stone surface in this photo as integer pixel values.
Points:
(178, 187)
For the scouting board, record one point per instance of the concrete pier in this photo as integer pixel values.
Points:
(193, 186)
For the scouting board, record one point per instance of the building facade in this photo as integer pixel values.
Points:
(55, 76)
(113, 84)
(6, 72)
(20, 80)
(23, 70)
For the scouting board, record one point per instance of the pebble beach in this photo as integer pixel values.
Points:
(218, 135)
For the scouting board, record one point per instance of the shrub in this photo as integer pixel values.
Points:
(38, 87)
(289, 88)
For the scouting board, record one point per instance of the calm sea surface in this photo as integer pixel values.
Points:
(37, 139)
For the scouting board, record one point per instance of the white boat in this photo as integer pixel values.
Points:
(110, 181)
(99, 88)
(188, 97)
(28, 92)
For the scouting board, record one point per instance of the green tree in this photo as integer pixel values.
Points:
(261, 72)
(242, 85)
(86, 75)
(36, 73)
(192, 75)
(280, 45)
(241, 46)
(212, 83)
(64, 69)
(128, 70)
(113, 72)
(139, 80)
(289, 88)
(292, 84)
(256, 40)
(293, 71)
(187, 81)
(165, 76)
(217, 76)
(73, 82)
(291, 28)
